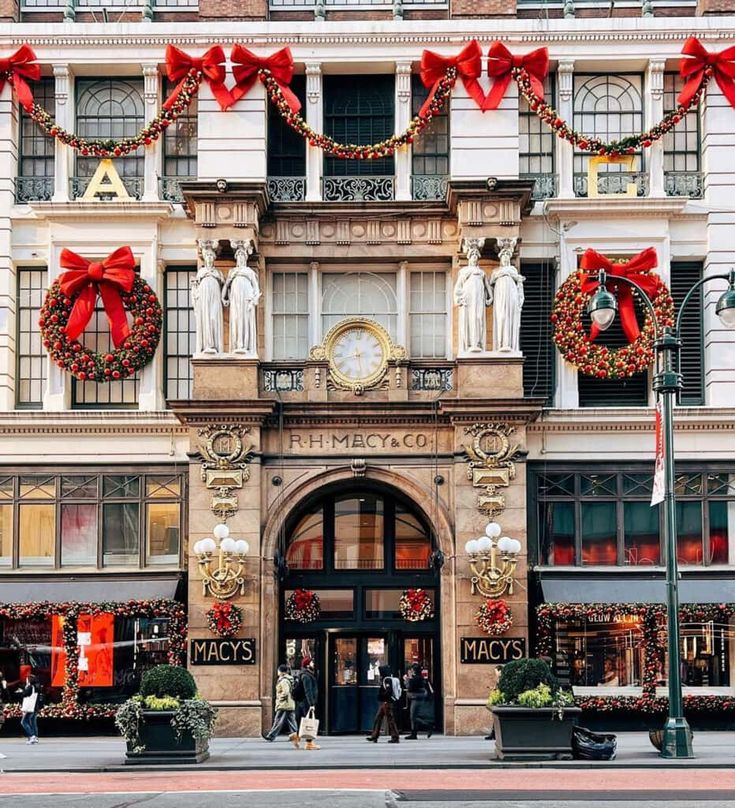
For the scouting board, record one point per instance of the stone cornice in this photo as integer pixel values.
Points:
(600, 207)
(686, 419)
(128, 209)
(89, 423)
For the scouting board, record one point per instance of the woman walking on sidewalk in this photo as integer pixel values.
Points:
(29, 707)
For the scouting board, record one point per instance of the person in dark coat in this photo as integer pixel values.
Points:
(420, 702)
(386, 702)
(29, 722)
(311, 692)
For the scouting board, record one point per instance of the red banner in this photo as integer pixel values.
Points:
(95, 638)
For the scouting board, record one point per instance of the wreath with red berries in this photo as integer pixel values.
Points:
(303, 606)
(136, 351)
(494, 617)
(224, 619)
(416, 605)
(571, 338)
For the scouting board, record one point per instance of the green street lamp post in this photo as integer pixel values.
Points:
(667, 382)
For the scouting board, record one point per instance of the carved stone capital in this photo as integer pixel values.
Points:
(150, 82)
(61, 83)
(313, 81)
(655, 77)
(472, 247)
(565, 77)
(403, 81)
(506, 246)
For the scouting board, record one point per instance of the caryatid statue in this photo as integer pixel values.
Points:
(507, 296)
(242, 293)
(472, 295)
(207, 300)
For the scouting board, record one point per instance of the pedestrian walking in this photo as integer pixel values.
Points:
(29, 708)
(389, 694)
(285, 708)
(306, 694)
(420, 701)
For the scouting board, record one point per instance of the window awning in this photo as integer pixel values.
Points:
(586, 589)
(88, 590)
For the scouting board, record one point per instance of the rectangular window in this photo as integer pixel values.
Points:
(32, 359)
(37, 533)
(539, 353)
(682, 161)
(120, 534)
(36, 149)
(360, 294)
(180, 333)
(641, 534)
(599, 533)
(557, 533)
(385, 603)
(684, 275)
(358, 533)
(430, 152)
(428, 314)
(286, 147)
(180, 141)
(536, 147)
(290, 318)
(79, 534)
(162, 530)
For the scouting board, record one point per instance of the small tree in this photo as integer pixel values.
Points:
(168, 680)
(525, 674)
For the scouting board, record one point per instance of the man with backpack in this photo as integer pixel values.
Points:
(389, 694)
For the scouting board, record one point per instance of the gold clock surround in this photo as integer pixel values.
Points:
(325, 352)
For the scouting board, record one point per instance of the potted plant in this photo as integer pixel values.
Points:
(533, 717)
(167, 722)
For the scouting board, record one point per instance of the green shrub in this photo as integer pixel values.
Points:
(168, 680)
(526, 674)
(538, 697)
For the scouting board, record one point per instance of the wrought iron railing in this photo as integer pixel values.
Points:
(287, 189)
(169, 188)
(429, 186)
(110, 5)
(133, 185)
(432, 379)
(283, 380)
(545, 185)
(613, 183)
(34, 189)
(353, 5)
(684, 183)
(358, 189)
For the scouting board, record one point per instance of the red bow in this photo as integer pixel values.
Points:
(303, 599)
(500, 66)
(86, 278)
(211, 64)
(468, 63)
(593, 261)
(245, 71)
(16, 69)
(693, 69)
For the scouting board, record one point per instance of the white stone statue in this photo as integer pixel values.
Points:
(241, 294)
(207, 300)
(472, 294)
(507, 297)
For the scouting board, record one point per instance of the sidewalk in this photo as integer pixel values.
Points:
(713, 750)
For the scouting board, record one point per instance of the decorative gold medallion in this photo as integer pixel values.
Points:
(491, 455)
(226, 450)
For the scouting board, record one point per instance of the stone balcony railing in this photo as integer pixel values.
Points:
(545, 186)
(684, 183)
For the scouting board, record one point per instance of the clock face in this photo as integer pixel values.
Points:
(358, 353)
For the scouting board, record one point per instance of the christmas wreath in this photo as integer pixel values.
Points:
(494, 617)
(224, 619)
(303, 606)
(578, 347)
(70, 305)
(416, 605)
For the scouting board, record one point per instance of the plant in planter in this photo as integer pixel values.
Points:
(167, 722)
(532, 715)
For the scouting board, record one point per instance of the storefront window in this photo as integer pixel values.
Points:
(78, 534)
(599, 533)
(163, 532)
(385, 603)
(334, 603)
(641, 530)
(705, 656)
(413, 543)
(26, 648)
(37, 529)
(306, 547)
(358, 533)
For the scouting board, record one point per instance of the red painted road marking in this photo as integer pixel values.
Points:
(660, 779)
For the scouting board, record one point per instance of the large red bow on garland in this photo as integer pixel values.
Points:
(88, 278)
(500, 66)
(18, 67)
(211, 64)
(223, 616)
(693, 69)
(468, 63)
(593, 261)
(245, 67)
(303, 598)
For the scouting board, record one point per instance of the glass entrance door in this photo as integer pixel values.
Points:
(354, 680)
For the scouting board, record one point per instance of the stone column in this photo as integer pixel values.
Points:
(57, 393)
(8, 171)
(314, 107)
(564, 150)
(152, 165)
(402, 117)
(654, 112)
(64, 112)
(150, 391)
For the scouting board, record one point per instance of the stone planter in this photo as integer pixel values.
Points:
(528, 733)
(161, 746)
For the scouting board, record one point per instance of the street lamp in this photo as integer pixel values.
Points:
(677, 740)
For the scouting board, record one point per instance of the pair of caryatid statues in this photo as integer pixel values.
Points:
(211, 294)
(475, 291)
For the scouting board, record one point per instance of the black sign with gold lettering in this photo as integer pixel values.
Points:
(491, 650)
(222, 652)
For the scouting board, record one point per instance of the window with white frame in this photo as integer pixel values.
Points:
(31, 358)
(360, 294)
(427, 299)
(180, 333)
(290, 315)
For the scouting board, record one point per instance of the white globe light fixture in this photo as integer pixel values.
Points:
(493, 530)
(221, 531)
(485, 544)
(493, 562)
(222, 563)
(472, 547)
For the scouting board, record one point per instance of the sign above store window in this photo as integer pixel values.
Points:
(491, 650)
(222, 652)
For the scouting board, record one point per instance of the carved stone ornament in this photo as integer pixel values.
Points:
(491, 453)
(226, 450)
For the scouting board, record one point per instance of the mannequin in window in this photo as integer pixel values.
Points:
(472, 294)
(506, 285)
(242, 293)
(609, 674)
(206, 297)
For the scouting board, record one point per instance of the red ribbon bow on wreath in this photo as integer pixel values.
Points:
(468, 63)
(303, 598)
(18, 67)
(497, 609)
(222, 616)
(245, 71)
(500, 66)
(211, 64)
(88, 278)
(593, 261)
(694, 68)
(416, 598)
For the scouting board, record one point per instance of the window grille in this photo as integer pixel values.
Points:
(36, 149)
(536, 146)
(180, 333)
(32, 359)
(428, 314)
(290, 316)
(536, 330)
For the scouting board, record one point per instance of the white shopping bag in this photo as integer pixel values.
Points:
(309, 727)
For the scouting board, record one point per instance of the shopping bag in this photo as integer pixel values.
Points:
(29, 703)
(309, 726)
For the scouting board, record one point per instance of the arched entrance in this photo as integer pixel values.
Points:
(359, 546)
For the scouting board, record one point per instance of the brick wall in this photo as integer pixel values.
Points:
(715, 7)
(483, 8)
(233, 9)
(9, 10)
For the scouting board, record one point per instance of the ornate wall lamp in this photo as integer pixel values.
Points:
(222, 566)
(492, 576)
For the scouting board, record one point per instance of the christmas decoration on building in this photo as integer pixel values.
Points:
(494, 617)
(570, 303)
(15, 69)
(302, 606)
(70, 305)
(416, 605)
(224, 619)
(209, 67)
(501, 65)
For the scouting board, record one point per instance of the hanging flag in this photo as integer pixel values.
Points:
(659, 475)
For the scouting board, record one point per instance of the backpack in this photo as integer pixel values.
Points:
(298, 692)
(393, 686)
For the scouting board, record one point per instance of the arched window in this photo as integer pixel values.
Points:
(360, 294)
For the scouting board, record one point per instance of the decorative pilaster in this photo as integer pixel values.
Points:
(64, 112)
(8, 285)
(150, 396)
(152, 164)
(314, 105)
(565, 150)
(654, 113)
(403, 116)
